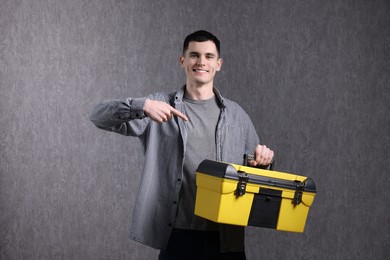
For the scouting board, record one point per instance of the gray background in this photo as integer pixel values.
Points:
(313, 75)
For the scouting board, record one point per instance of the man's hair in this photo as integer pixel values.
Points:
(201, 36)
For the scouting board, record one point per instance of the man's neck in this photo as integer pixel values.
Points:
(199, 92)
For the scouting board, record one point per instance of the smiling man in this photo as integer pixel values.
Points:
(179, 130)
(200, 61)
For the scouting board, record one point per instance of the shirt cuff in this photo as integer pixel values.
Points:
(137, 108)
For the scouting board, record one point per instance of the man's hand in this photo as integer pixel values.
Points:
(160, 111)
(263, 156)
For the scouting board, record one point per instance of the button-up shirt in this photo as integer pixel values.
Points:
(164, 148)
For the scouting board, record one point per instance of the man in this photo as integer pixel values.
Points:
(178, 131)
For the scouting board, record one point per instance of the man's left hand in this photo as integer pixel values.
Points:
(263, 156)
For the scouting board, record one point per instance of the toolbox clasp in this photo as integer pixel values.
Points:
(298, 193)
(241, 185)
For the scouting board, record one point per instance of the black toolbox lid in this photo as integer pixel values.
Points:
(225, 170)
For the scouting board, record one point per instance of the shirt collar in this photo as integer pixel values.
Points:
(180, 95)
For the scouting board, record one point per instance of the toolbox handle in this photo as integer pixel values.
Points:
(248, 157)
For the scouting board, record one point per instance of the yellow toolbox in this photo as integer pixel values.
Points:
(247, 196)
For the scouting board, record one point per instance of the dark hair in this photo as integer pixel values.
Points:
(201, 36)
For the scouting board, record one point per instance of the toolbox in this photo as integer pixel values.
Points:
(247, 196)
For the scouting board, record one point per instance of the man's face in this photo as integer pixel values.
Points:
(201, 62)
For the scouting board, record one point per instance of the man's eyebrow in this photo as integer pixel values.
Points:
(197, 53)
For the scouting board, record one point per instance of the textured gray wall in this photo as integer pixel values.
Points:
(314, 76)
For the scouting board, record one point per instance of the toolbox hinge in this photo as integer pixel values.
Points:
(298, 192)
(241, 185)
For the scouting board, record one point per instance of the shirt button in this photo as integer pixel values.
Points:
(175, 202)
(170, 224)
(179, 180)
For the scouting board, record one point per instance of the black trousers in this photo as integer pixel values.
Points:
(196, 245)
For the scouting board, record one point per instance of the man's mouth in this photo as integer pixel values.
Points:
(200, 70)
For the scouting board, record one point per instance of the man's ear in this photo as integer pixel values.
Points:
(219, 64)
(181, 60)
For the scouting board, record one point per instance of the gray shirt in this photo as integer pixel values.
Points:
(165, 147)
(201, 127)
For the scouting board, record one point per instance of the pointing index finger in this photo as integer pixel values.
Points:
(179, 114)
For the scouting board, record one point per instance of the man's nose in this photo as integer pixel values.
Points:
(201, 60)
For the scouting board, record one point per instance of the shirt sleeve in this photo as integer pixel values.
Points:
(125, 117)
(252, 139)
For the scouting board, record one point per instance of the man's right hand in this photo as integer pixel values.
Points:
(160, 111)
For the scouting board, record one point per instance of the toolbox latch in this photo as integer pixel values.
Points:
(298, 193)
(241, 185)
